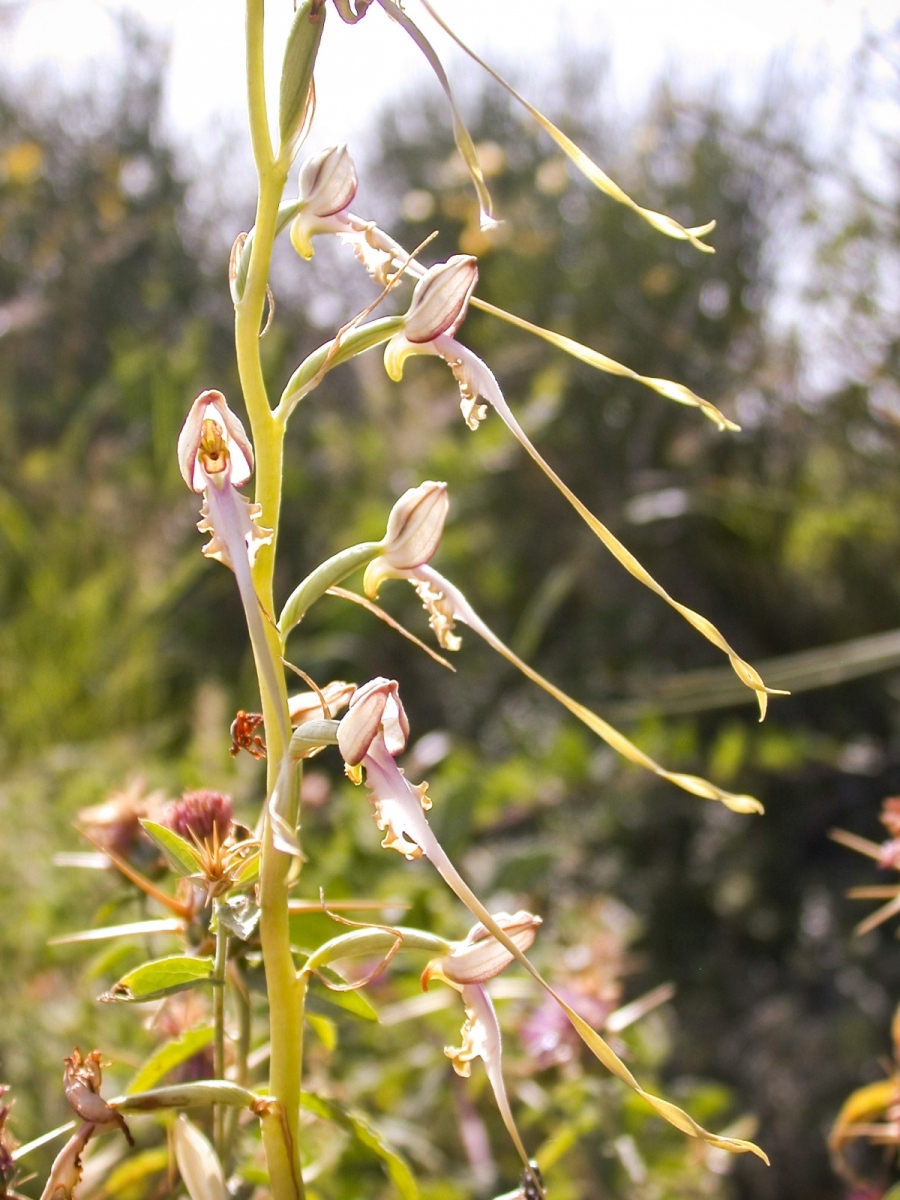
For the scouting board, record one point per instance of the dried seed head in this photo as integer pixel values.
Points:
(206, 815)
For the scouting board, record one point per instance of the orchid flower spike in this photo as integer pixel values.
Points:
(374, 731)
(438, 308)
(467, 968)
(328, 183)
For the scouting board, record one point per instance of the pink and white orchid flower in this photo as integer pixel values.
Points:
(467, 968)
(371, 735)
(328, 183)
(216, 459)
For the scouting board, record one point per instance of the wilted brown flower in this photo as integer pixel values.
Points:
(82, 1078)
(65, 1174)
(7, 1163)
(115, 824)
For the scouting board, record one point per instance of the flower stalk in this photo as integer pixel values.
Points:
(281, 1139)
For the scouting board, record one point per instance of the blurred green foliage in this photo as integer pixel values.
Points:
(123, 652)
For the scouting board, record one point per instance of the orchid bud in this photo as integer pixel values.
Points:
(413, 533)
(296, 100)
(198, 1164)
(375, 710)
(213, 442)
(481, 957)
(441, 298)
(328, 183)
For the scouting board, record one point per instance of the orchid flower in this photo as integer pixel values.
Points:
(438, 308)
(370, 736)
(467, 968)
(320, 705)
(327, 186)
(589, 169)
(216, 459)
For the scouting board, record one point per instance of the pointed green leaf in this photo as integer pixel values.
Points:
(180, 854)
(367, 1136)
(169, 1056)
(160, 978)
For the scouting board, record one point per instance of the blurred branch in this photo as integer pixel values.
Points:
(806, 671)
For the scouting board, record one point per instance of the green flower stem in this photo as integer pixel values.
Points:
(219, 1026)
(242, 1054)
(280, 1137)
(260, 134)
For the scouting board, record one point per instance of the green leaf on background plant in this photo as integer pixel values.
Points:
(239, 916)
(169, 1056)
(893, 1194)
(395, 1165)
(129, 929)
(180, 854)
(134, 1171)
(325, 1030)
(161, 977)
(115, 959)
(352, 1002)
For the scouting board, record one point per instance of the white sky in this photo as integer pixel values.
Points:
(363, 65)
